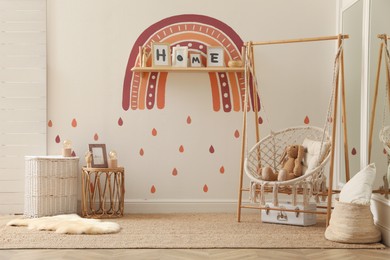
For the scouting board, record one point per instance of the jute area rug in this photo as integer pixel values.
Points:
(220, 230)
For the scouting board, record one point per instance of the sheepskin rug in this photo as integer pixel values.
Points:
(67, 224)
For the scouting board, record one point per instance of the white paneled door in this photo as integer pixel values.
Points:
(22, 94)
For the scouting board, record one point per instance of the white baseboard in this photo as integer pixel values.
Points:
(380, 207)
(179, 206)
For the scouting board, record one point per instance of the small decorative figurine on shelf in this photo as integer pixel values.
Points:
(113, 160)
(67, 148)
(88, 159)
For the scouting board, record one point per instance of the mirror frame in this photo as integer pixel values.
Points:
(343, 5)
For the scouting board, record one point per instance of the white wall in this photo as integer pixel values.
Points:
(89, 42)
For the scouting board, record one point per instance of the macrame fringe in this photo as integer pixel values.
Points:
(294, 193)
(262, 195)
(275, 191)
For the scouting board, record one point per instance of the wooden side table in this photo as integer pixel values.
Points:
(103, 191)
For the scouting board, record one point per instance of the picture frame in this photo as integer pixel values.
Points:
(161, 54)
(215, 56)
(180, 56)
(99, 155)
(195, 60)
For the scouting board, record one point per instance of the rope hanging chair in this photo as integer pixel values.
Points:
(269, 152)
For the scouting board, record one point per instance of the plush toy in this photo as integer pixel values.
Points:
(291, 166)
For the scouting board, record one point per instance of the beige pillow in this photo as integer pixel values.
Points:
(358, 190)
(314, 154)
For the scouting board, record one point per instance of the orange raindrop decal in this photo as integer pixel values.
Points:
(174, 172)
(58, 139)
(50, 123)
(120, 121)
(353, 151)
(96, 137)
(74, 122)
(307, 120)
(205, 188)
(222, 170)
(73, 154)
(260, 120)
(189, 120)
(181, 148)
(236, 134)
(211, 149)
(153, 189)
(141, 152)
(154, 132)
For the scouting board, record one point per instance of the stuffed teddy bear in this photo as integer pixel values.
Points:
(291, 166)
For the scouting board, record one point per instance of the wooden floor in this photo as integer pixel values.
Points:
(172, 254)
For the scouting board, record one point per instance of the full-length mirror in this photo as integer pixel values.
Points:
(352, 20)
(379, 24)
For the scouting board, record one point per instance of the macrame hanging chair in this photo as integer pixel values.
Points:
(269, 151)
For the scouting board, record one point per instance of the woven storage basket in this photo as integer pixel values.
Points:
(352, 223)
(50, 185)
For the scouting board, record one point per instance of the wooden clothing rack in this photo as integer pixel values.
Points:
(250, 55)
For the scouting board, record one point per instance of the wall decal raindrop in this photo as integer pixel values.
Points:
(174, 172)
(74, 122)
(189, 120)
(205, 188)
(236, 134)
(211, 149)
(120, 121)
(353, 152)
(73, 154)
(153, 189)
(260, 120)
(96, 137)
(222, 170)
(307, 120)
(58, 139)
(141, 152)
(154, 132)
(181, 148)
(50, 123)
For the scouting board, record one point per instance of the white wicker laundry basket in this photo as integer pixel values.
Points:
(50, 185)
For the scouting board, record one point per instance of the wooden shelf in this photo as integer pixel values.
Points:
(187, 69)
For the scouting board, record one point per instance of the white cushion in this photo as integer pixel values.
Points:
(358, 189)
(314, 153)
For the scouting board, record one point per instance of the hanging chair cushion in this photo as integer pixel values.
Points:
(358, 190)
(314, 154)
(352, 223)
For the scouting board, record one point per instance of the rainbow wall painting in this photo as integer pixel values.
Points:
(147, 90)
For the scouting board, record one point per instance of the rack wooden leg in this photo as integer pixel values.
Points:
(243, 144)
(331, 169)
(344, 121)
(373, 109)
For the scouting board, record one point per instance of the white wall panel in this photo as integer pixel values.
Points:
(22, 94)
